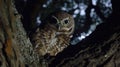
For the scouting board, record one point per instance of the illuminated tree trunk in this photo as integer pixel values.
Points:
(15, 47)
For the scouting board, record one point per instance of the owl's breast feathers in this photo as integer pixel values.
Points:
(54, 35)
(47, 41)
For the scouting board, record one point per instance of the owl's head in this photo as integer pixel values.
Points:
(64, 23)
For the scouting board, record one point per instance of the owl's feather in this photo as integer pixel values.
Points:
(54, 36)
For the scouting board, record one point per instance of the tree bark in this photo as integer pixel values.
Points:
(15, 47)
(100, 49)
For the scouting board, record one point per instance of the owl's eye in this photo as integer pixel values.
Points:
(66, 21)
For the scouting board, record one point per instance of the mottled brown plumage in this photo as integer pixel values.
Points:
(54, 35)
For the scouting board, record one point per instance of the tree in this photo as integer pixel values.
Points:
(101, 48)
(15, 47)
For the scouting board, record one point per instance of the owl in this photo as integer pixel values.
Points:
(54, 34)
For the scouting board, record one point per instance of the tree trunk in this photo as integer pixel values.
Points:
(100, 49)
(15, 47)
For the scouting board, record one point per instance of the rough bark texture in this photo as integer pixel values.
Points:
(101, 49)
(15, 47)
